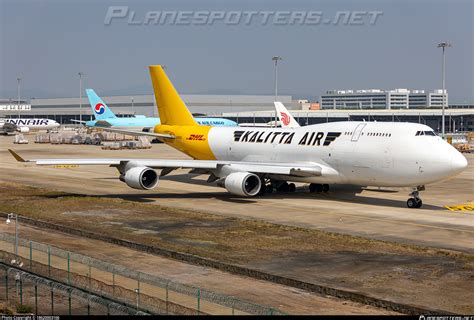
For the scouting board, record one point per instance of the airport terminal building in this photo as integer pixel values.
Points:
(64, 110)
(382, 99)
(404, 106)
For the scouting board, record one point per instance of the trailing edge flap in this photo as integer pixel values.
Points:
(140, 133)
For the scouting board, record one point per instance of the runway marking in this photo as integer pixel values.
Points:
(461, 207)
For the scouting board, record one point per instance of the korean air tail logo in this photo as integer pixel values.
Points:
(285, 118)
(99, 108)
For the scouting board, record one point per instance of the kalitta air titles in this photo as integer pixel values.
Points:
(278, 137)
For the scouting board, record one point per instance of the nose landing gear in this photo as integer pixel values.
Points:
(415, 202)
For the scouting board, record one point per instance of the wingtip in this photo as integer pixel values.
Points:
(16, 156)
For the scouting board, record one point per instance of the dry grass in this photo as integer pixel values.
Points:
(212, 236)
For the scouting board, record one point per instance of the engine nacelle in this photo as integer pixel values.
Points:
(142, 178)
(243, 184)
(23, 129)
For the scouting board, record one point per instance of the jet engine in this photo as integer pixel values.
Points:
(142, 178)
(23, 129)
(243, 184)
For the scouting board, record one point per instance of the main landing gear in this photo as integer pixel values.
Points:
(316, 187)
(415, 201)
(270, 186)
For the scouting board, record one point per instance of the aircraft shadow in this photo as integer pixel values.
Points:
(338, 193)
(347, 196)
(153, 197)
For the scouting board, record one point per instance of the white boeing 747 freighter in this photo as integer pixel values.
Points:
(250, 161)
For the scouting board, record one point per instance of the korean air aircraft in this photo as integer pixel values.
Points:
(104, 117)
(251, 161)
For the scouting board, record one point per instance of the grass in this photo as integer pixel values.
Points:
(227, 239)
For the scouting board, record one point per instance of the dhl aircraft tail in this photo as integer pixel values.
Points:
(172, 110)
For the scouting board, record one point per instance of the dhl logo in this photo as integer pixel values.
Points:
(196, 137)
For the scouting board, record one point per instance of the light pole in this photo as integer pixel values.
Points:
(137, 291)
(80, 96)
(133, 111)
(443, 45)
(276, 59)
(18, 87)
(9, 219)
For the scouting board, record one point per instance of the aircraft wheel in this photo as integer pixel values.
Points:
(291, 187)
(412, 203)
(283, 187)
(325, 187)
(315, 187)
(268, 188)
(419, 203)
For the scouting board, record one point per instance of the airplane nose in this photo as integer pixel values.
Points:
(458, 162)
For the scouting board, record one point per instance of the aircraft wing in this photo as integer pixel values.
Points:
(102, 124)
(139, 133)
(303, 169)
(79, 121)
(9, 126)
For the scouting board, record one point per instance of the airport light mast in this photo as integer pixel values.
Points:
(18, 87)
(443, 45)
(80, 96)
(276, 59)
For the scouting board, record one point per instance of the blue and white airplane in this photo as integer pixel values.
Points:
(105, 118)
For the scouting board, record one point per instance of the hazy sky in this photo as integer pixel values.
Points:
(47, 43)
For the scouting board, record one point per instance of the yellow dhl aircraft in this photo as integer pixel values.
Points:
(251, 161)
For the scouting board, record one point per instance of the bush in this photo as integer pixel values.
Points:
(21, 308)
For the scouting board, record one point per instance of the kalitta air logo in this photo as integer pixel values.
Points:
(196, 137)
(315, 138)
(308, 139)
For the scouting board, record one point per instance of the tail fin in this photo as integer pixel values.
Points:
(99, 108)
(285, 117)
(171, 108)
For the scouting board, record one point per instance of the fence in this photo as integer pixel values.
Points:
(35, 294)
(148, 292)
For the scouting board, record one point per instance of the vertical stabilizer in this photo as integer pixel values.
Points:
(99, 109)
(285, 117)
(171, 108)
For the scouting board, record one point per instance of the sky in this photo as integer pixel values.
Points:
(47, 42)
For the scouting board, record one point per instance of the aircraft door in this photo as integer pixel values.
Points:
(357, 132)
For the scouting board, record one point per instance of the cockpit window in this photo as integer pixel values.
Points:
(425, 133)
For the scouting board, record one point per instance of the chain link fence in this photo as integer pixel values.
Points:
(149, 293)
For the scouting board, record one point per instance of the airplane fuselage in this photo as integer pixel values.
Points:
(33, 124)
(360, 153)
(149, 122)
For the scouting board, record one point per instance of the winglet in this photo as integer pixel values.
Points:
(16, 156)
